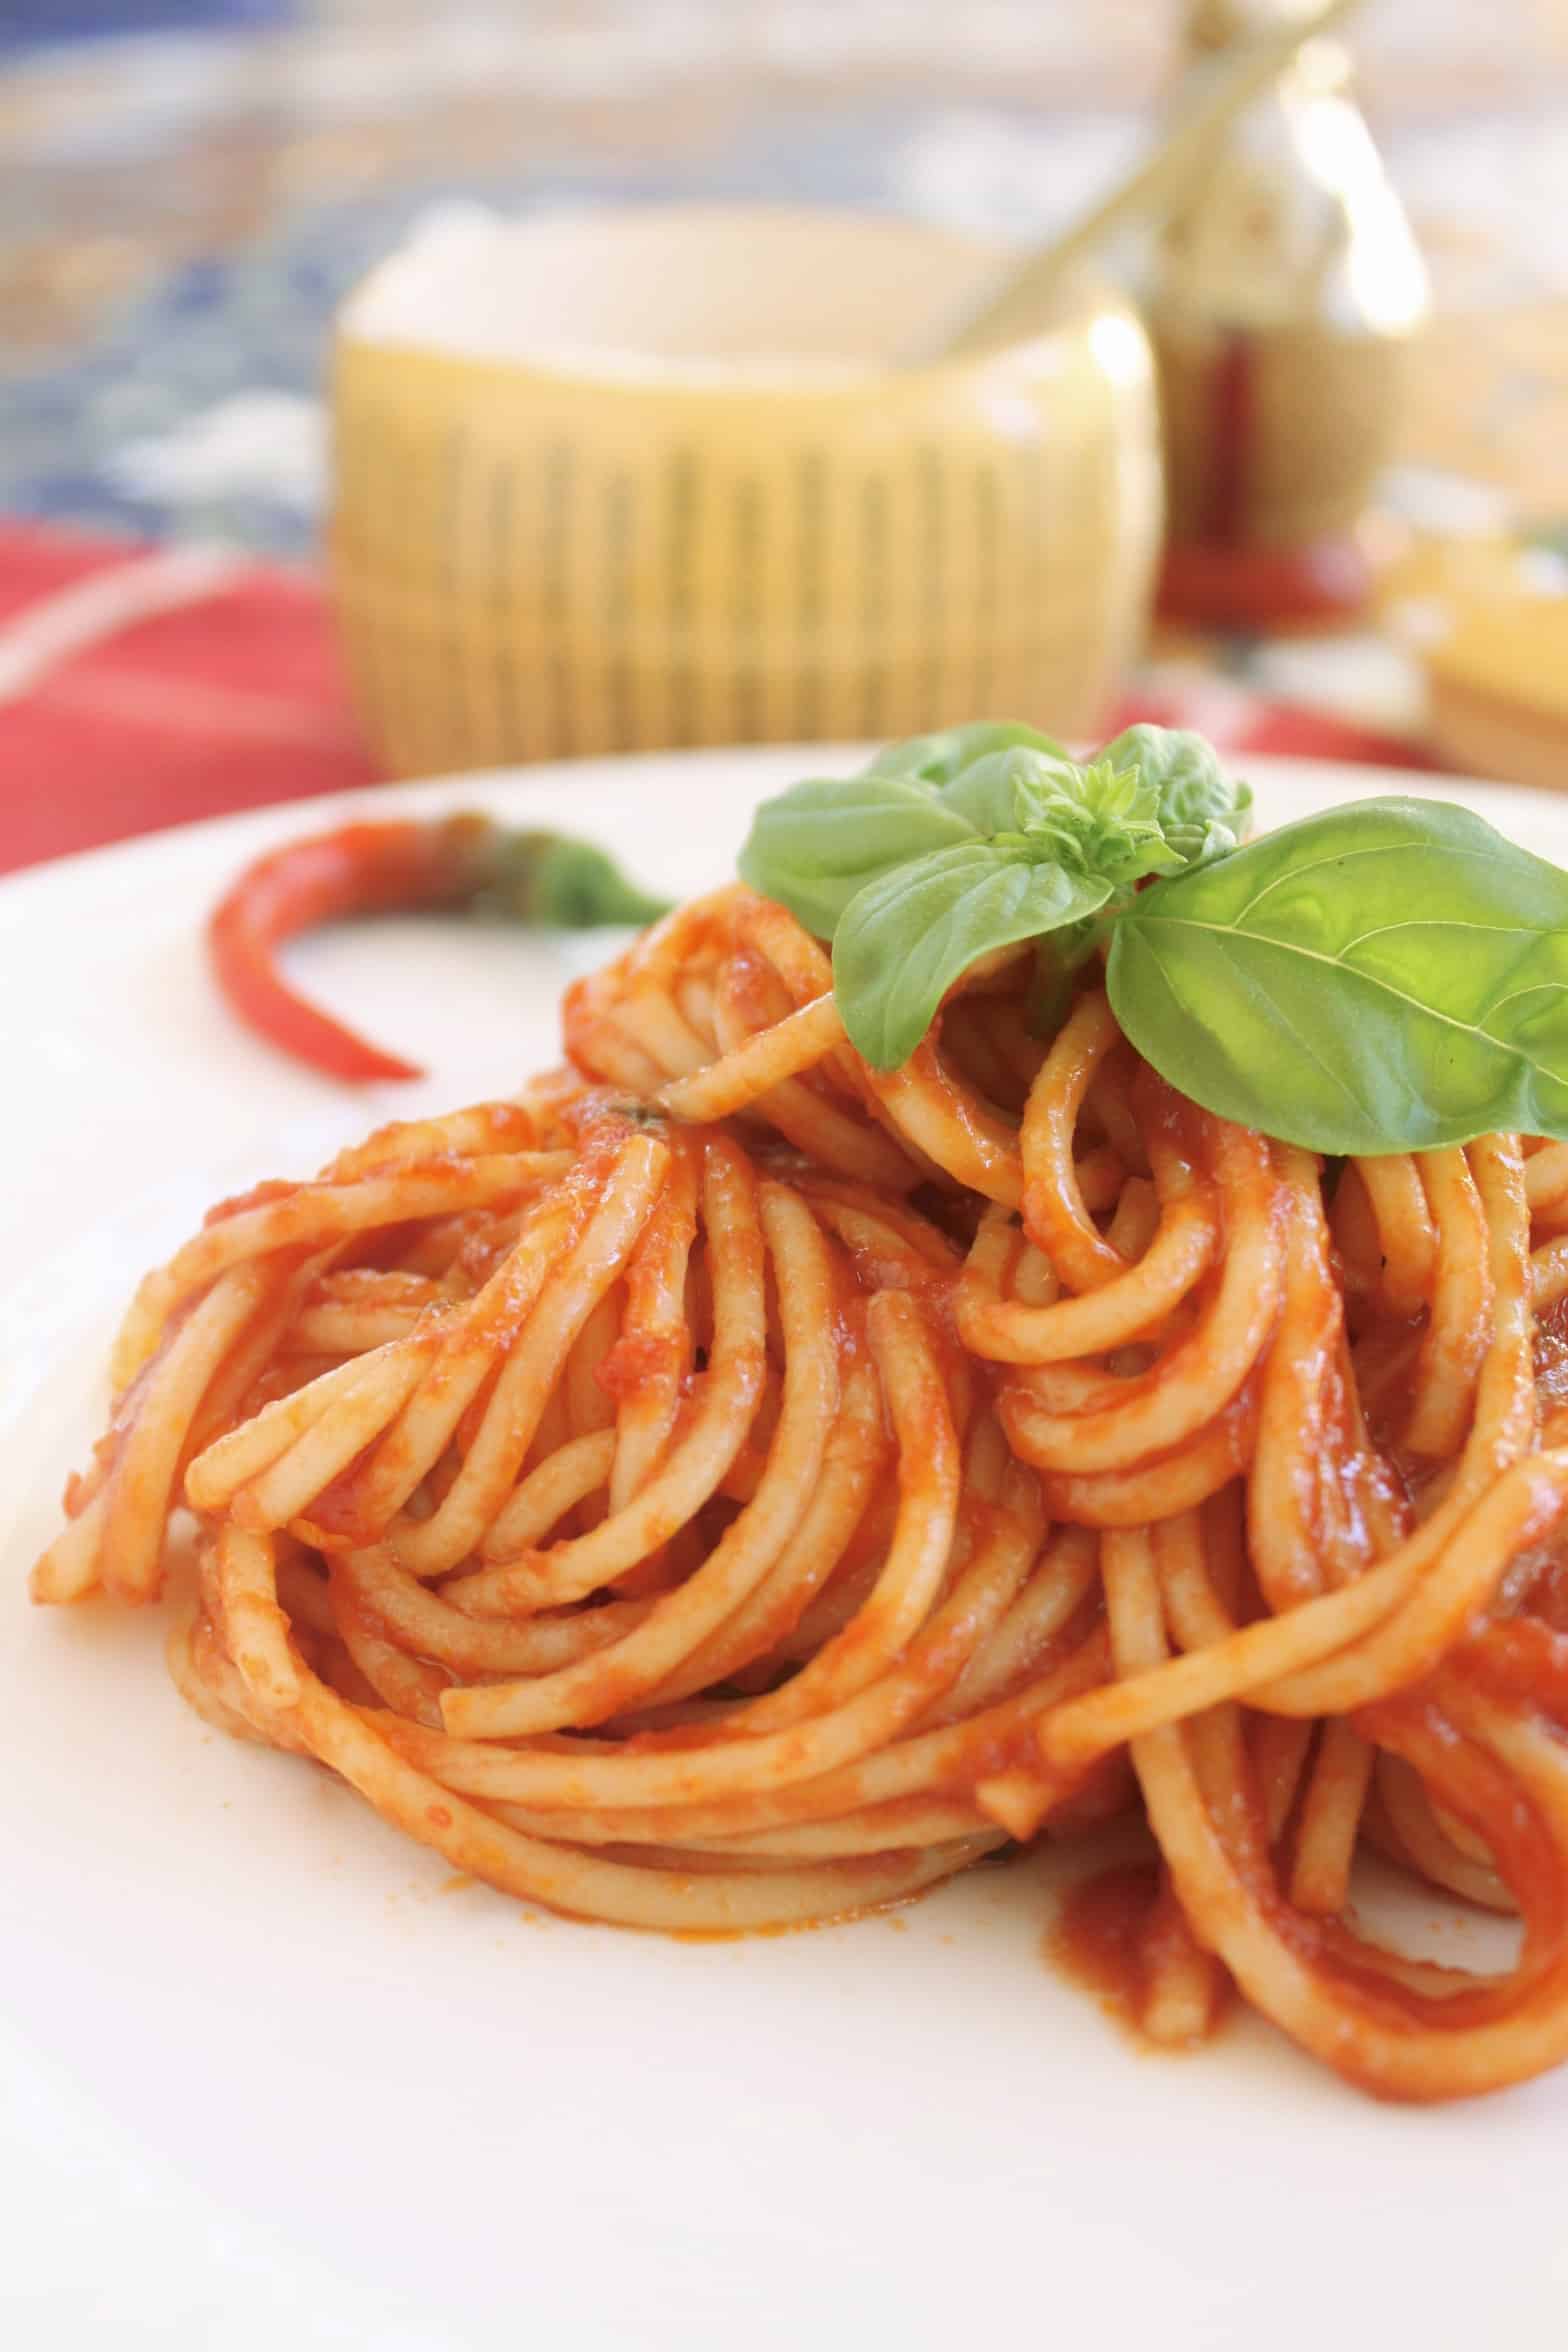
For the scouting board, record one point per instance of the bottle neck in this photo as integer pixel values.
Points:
(1209, 27)
(1216, 24)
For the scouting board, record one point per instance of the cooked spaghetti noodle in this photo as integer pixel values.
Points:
(729, 1487)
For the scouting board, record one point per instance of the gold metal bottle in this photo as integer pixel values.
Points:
(1285, 294)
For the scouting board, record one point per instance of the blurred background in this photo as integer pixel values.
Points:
(190, 187)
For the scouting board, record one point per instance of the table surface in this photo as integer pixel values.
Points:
(184, 208)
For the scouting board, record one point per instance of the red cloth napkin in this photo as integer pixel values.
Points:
(143, 686)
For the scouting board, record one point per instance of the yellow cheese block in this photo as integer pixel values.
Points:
(661, 481)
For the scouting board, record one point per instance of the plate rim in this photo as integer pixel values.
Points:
(552, 775)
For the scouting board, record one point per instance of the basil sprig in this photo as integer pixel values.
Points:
(1388, 976)
(955, 845)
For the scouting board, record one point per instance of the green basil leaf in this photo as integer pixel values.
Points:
(906, 937)
(1095, 820)
(1202, 812)
(1007, 791)
(815, 845)
(937, 759)
(1390, 976)
(1102, 820)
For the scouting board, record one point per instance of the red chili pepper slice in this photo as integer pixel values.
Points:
(464, 863)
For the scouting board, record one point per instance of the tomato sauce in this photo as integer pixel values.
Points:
(1098, 1938)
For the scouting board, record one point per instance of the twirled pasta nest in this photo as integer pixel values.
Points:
(727, 1486)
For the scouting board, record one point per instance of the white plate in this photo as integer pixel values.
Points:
(267, 2080)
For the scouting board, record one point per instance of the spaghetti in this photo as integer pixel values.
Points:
(729, 1486)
